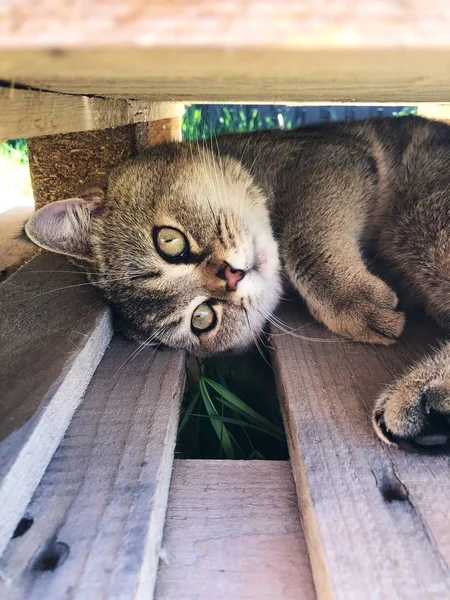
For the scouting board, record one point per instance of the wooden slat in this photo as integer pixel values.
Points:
(53, 331)
(396, 75)
(105, 491)
(251, 23)
(28, 113)
(439, 111)
(239, 50)
(233, 531)
(13, 250)
(362, 543)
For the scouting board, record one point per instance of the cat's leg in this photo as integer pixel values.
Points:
(339, 290)
(414, 412)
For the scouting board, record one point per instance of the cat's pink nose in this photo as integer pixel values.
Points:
(232, 277)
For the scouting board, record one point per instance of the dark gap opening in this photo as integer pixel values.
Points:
(22, 527)
(52, 557)
(230, 409)
(392, 489)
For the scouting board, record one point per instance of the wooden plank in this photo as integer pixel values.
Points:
(27, 114)
(233, 531)
(243, 51)
(375, 518)
(434, 110)
(392, 74)
(252, 23)
(14, 251)
(54, 329)
(105, 491)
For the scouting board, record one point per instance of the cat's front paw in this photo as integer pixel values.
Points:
(365, 314)
(415, 415)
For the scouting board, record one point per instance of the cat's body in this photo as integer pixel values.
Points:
(184, 245)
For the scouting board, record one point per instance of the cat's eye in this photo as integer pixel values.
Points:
(203, 318)
(171, 243)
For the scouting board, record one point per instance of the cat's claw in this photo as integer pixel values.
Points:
(417, 420)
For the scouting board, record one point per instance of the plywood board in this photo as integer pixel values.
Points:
(104, 494)
(376, 518)
(233, 531)
(54, 329)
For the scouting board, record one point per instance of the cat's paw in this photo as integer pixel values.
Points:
(414, 415)
(366, 314)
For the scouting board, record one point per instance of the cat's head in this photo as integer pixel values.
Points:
(180, 244)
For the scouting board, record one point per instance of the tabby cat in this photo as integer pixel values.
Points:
(188, 243)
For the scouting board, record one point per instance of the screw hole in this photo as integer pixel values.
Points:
(52, 557)
(22, 527)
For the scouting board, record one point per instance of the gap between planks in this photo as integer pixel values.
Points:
(361, 546)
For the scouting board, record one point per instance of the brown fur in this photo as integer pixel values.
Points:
(336, 195)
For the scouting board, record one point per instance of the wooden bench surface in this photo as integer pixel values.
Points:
(376, 519)
(234, 50)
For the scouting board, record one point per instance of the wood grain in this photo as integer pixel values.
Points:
(274, 75)
(27, 114)
(234, 51)
(105, 491)
(361, 544)
(233, 531)
(54, 329)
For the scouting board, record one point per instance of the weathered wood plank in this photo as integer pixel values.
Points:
(233, 531)
(13, 250)
(28, 114)
(54, 329)
(216, 74)
(361, 544)
(249, 50)
(252, 23)
(104, 493)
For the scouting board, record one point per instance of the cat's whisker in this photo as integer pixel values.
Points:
(146, 343)
(255, 339)
(293, 333)
(67, 287)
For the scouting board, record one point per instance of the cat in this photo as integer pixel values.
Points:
(189, 244)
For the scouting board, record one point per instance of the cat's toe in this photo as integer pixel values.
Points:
(406, 418)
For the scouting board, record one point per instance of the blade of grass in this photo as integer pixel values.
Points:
(240, 406)
(237, 422)
(219, 428)
(188, 412)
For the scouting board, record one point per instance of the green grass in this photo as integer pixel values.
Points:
(230, 410)
(15, 183)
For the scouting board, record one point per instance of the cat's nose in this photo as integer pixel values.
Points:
(232, 277)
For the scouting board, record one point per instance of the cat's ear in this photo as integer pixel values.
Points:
(64, 226)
